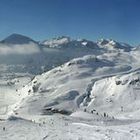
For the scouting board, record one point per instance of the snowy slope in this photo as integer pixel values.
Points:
(89, 91)
(67, 87)
(81, 89)
(117, 95)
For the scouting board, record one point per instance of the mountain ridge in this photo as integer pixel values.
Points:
(16, 38)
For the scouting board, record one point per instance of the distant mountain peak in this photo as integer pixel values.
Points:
(62, 37)
(103, 41)
(107, 41)
(57, 41)
(113, 45)
(113, 42)
(17, 39)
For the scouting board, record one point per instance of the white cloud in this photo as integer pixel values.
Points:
(24, 49)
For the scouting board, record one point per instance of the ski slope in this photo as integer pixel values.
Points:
(89, 95)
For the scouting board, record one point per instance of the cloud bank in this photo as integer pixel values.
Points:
(25, 49)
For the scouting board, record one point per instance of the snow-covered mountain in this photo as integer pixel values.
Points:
(18, 50)
(56, 41)
(110, 44)
(51, 53)
(72, 82)
(84, 86)
(64, 42)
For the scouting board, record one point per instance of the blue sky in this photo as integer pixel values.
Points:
(91, 19)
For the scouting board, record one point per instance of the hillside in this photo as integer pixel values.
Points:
(85, 89)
